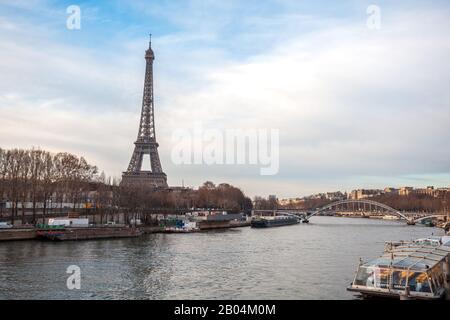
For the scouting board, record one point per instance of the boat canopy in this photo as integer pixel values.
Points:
(415, 257)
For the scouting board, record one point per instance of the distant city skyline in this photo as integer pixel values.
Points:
(404, 190)
(355, 108)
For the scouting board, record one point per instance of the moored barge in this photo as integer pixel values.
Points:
(276, 221)
(209, 220)
(414, 270)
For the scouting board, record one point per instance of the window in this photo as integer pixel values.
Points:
(382, 278)
(365, 277)
(418, 282)
(399, 279)
(373, 277)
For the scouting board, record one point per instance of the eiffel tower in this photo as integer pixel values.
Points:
(146, 139)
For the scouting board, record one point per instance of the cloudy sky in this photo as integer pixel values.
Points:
(355, 106)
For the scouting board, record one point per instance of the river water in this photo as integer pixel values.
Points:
(306, 261)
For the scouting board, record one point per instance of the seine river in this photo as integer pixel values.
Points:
(306, 261)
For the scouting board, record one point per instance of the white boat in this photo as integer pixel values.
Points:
(389, 217)
(407, 270)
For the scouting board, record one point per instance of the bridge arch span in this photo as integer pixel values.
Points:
(429, 217)
(365, 202)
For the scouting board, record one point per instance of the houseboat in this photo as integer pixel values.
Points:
(274, 221)
(182, 226)
(407, 270)
(201, 220)
(208, 220)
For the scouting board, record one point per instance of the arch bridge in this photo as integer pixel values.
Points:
(361, 205)
(372, 206)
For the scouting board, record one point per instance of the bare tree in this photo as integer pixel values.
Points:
(3, 178)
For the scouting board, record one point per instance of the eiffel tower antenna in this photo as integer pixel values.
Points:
(146, 138)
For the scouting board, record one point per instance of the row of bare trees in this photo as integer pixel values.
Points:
(415, 202)
(261, 203)
(30, 179)
(135, 199)
(34, 181)
(222, 196)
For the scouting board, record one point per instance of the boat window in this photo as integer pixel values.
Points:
(382, 278)
(437, 275)
(365, 277)
(403, 262)
(418, 282)
(378, 262)
(433, 285)
(422, 264)
(399, 279)
(373, 277)
(428, 242)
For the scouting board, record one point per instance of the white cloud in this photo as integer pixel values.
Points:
(350, 103)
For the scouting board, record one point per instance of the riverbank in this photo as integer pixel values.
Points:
(100, 232)
(17, 234)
